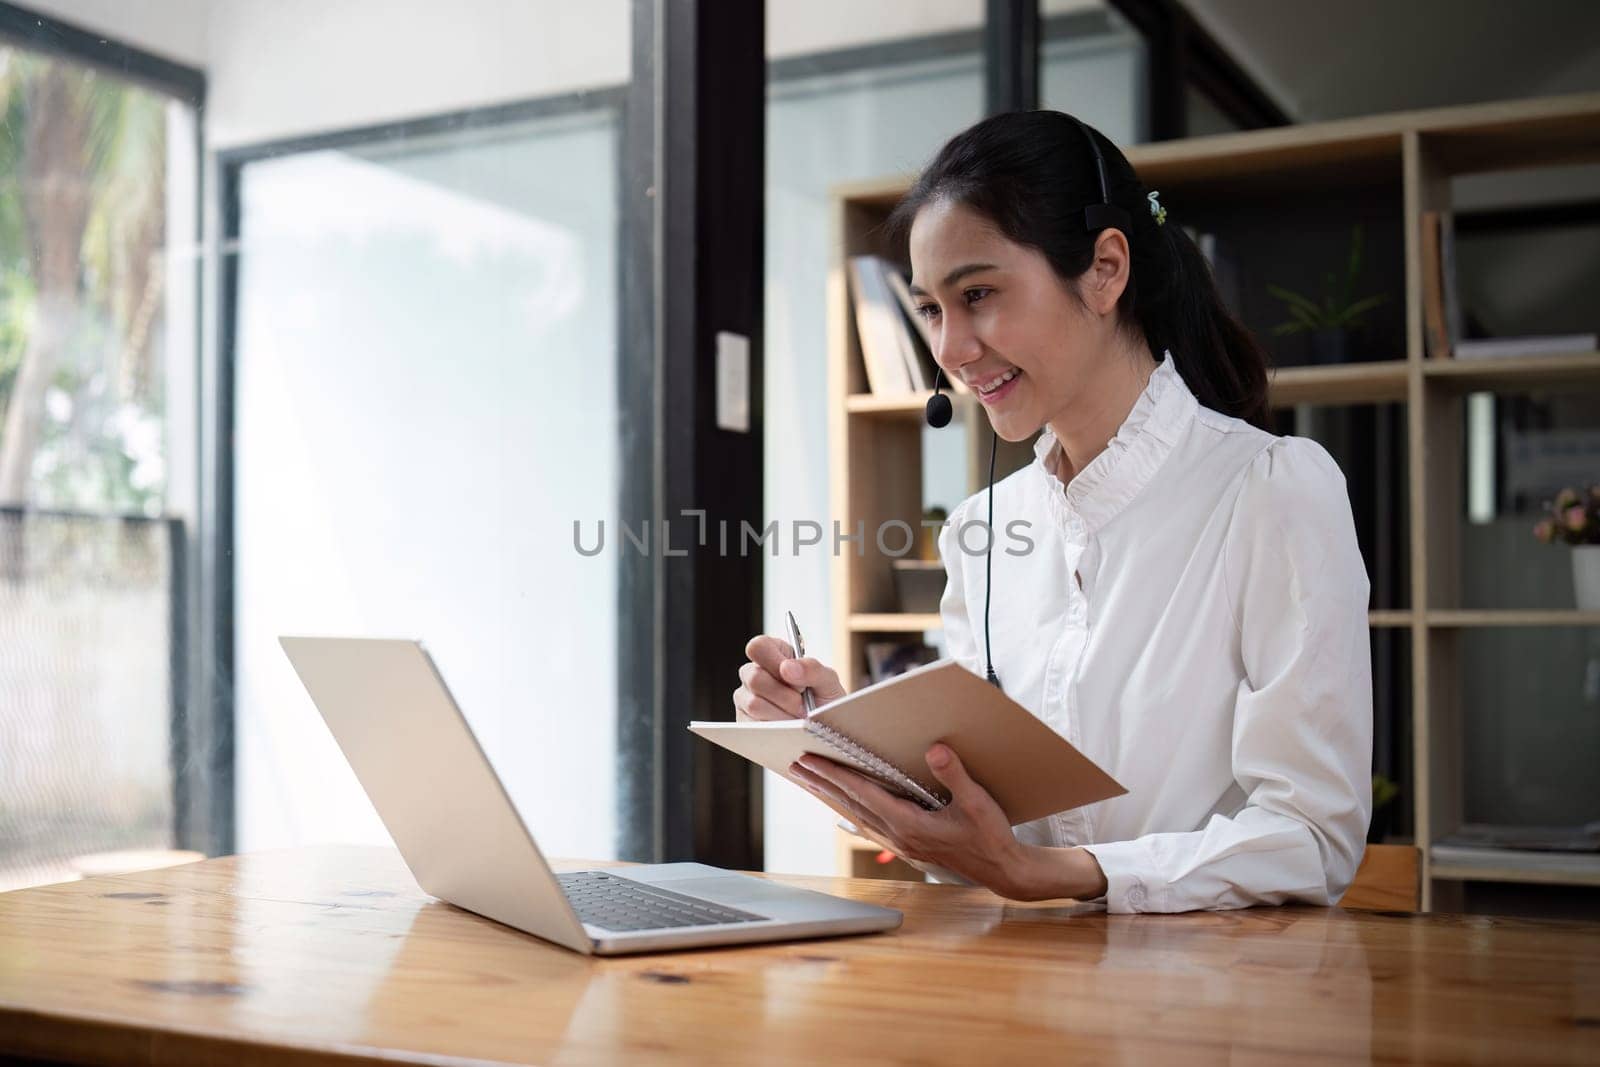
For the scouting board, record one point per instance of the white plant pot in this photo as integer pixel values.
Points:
(1586, 576)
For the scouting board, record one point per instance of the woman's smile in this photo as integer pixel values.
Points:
(997, 387)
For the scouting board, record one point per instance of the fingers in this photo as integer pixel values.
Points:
(868, 796)
(952, 774)
(765, 687)
(748, 707)
(840, 801)
(775, 659)
(810, 673)
(769, 652)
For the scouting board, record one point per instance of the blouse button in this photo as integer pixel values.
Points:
(1136, 895)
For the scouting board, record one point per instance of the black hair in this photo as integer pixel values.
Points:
(1031, 174)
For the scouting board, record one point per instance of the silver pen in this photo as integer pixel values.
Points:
(798, 643)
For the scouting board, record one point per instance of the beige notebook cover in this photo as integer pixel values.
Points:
(884, 730)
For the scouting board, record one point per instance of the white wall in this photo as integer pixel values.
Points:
(172, 29)
(281, 68)
(293, 66)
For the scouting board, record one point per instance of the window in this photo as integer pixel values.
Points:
(97, 330)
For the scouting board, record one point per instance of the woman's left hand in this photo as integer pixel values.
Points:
(970, 836)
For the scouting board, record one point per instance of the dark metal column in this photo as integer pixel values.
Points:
(1010, 56)
(696, 127)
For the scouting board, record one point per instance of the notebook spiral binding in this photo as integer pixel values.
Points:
(876, 764)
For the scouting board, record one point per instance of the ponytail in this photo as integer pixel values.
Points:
(1031, 174)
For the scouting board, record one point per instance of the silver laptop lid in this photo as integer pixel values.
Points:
(433, 787)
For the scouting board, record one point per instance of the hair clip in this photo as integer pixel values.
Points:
(1157, 212)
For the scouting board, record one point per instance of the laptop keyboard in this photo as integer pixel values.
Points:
(623, 904)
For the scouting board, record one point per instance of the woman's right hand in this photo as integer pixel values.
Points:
(771, 682)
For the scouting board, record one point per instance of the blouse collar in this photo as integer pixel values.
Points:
(1113, 478)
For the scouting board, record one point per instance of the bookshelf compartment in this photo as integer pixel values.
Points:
(1294, 228)
(1530, 732)
(1512, 452)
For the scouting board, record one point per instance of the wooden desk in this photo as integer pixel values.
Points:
(323, 954)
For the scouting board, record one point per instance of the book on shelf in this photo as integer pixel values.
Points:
(884, 731)
(1551, 345)
(888, 339)
(921, 334)
(1435, 317)
(892, 334)
(920, 330)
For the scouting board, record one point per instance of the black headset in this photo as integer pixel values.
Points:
(1096, 217)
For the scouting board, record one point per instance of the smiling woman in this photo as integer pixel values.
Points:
(1192, 612)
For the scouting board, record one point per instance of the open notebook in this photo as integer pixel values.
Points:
(885, 729)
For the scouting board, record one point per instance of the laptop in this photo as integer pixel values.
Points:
(460, 835)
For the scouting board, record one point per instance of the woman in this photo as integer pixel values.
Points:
(1191, 613)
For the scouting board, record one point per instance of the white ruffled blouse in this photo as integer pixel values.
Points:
(1192, 615)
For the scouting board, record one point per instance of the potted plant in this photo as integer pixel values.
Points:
(1574, 517)
(1329, 322)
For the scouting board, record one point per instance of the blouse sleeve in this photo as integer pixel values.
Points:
(1302, 727)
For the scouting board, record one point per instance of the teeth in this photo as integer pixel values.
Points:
(995, 383)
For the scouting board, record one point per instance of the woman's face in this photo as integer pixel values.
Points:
(1003, 321)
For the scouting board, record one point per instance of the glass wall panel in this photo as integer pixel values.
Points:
(426, 396)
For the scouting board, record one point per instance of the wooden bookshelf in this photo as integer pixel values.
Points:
(894, 622)
(910, 406)
(1402, 163)
(1515, 865)
(1458, 620)
(1380, 619)
(1515, 374)
(1349, 383)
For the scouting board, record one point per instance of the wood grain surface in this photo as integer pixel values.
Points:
(335, 955)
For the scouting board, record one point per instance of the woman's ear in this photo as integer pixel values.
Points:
(1103, 283)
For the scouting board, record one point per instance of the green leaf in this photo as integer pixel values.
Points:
(1361, 307)
(1294, 300)
(1357, 239)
